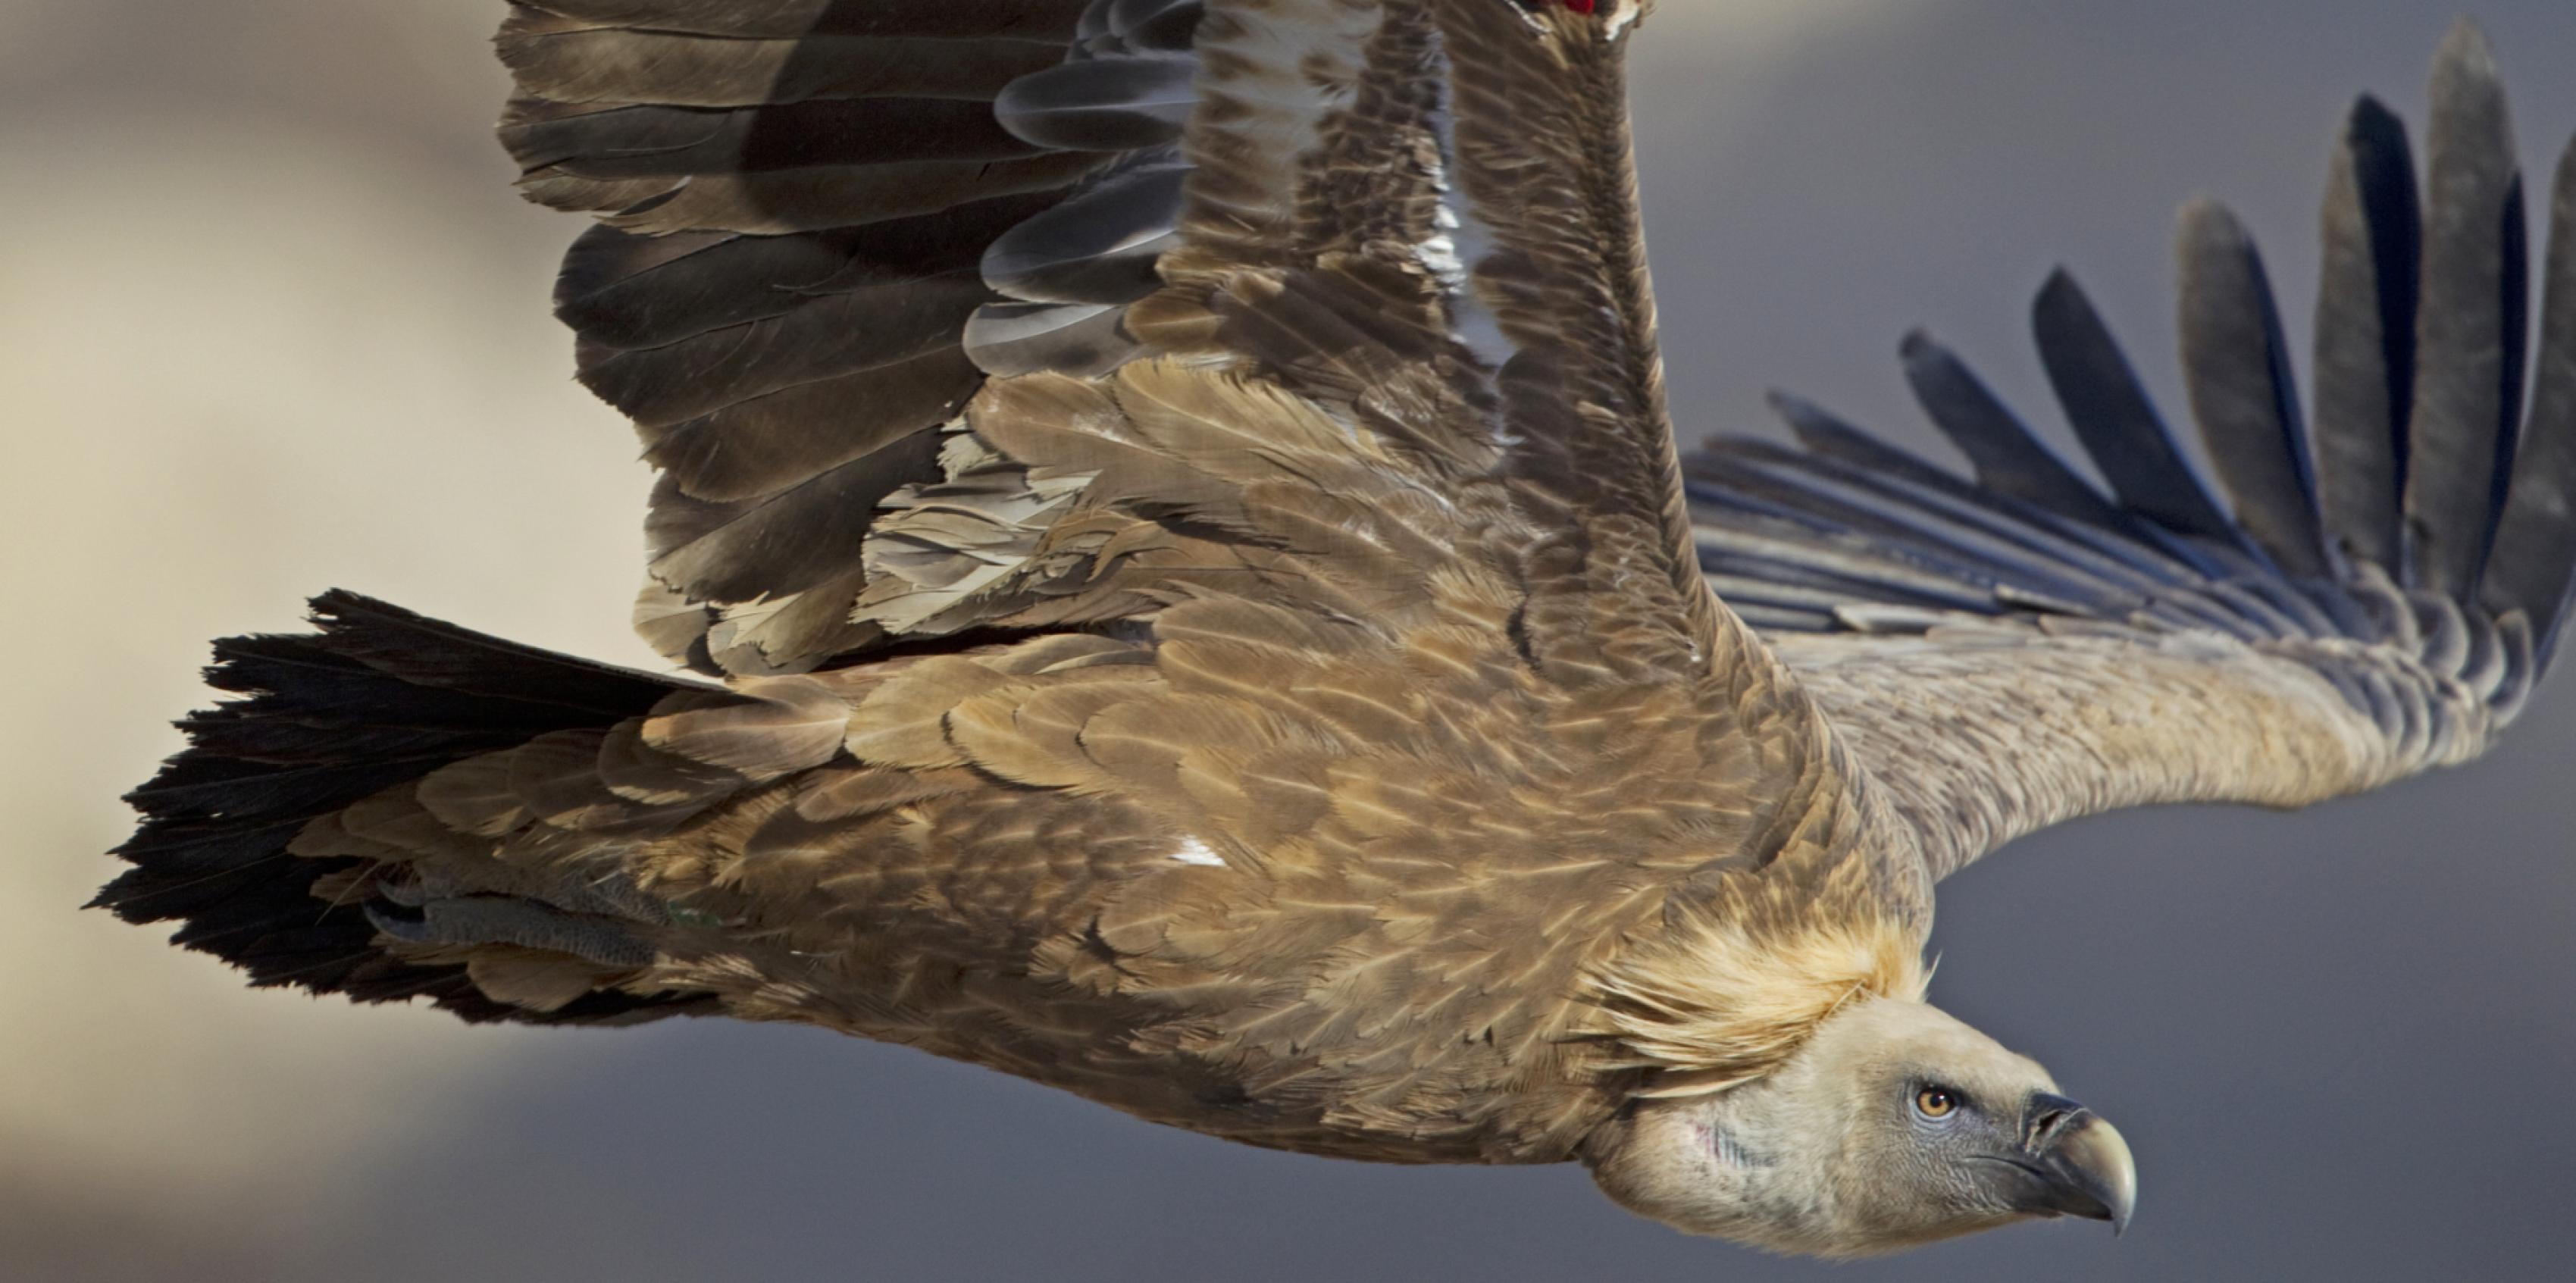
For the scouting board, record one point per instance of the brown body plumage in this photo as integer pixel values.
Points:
(1162, 656)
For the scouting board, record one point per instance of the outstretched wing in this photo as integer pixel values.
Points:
(826, 225)
(2022, 649)
(798, 200)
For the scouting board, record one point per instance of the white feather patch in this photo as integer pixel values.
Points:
(1194, 851)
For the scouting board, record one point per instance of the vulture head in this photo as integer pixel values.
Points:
(1896, 1125)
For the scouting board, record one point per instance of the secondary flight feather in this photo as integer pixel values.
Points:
(1139, 636)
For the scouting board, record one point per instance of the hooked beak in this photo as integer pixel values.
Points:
(2076, 1164)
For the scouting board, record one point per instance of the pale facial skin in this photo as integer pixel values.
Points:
(1895, 1125)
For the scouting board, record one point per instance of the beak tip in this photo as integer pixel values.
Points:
(2114, 1172)
(2086, 1170)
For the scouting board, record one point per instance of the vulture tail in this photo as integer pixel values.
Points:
(377, 698)
(2427, 502)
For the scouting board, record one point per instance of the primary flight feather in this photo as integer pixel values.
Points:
(1193, 598)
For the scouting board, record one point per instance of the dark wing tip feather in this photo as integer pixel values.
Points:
(2243, 393)
(2533, 569)
(2472, 317)
(2006, 455)
(2114, 419)
(2365, 333)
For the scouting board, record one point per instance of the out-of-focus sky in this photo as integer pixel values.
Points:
(271, 320)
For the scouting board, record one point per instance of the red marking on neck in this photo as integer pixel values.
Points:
(1580, 6)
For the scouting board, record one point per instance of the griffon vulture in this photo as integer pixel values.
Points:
(1193, 598)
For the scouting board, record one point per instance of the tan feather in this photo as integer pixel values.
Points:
(771, 726)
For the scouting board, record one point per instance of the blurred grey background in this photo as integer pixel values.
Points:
(271, 320)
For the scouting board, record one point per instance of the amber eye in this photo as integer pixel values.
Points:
(1936, 1103)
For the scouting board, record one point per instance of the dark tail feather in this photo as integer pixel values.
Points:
(378, 696)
